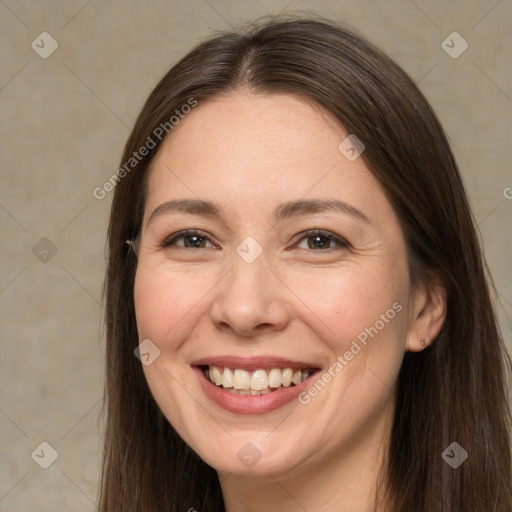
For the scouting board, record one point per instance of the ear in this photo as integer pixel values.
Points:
(427, 316)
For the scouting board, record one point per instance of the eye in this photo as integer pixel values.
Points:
(191, 239)
(322, 240)
(316, 240)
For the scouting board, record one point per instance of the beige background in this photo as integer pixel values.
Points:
(64, 121)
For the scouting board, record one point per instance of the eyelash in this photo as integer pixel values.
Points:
(342, 243)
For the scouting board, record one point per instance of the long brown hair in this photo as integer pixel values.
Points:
(455, 390)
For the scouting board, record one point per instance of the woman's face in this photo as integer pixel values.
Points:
(258, 300)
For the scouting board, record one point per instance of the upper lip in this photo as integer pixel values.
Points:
(251, 363)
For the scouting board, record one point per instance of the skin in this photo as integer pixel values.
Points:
(249, 153)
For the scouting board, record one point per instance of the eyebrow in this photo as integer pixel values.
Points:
(284, 211)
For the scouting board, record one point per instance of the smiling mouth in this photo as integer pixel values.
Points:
(258, 382)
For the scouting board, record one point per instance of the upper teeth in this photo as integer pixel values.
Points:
(257, 380)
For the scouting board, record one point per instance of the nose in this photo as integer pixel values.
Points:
(250, 300)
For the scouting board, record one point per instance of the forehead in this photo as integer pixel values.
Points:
(253, 152)
(243, 129)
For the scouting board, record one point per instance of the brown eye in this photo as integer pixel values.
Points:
(323, 240)
(191, 239)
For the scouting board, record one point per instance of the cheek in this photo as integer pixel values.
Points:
(350, 301)
(165, 301)
(164, 309)
(362, 316)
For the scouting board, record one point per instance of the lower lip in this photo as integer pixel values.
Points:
(249, 404)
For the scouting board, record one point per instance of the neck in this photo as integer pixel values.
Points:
(345, 481)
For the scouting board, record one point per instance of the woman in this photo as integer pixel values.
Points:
(304, 291)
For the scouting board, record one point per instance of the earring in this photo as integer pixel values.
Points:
(131, 245)
(423, 342)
